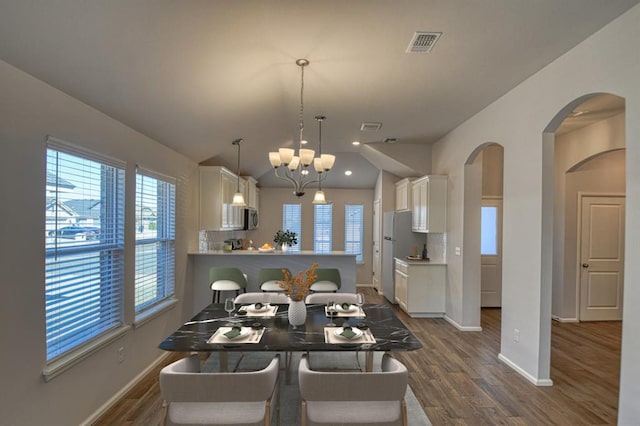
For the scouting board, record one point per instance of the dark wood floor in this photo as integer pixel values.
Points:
(460, 381)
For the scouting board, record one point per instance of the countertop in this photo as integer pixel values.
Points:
(420, 262)
(275, 253)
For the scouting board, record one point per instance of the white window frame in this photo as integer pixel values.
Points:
(74, 282)
(292, 221)
(322, 228)
(155, 208)
(354, 232)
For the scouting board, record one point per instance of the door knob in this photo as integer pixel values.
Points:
(585, 265)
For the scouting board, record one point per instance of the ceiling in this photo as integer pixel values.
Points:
(195, 75)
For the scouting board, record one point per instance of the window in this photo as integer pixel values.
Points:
(322, 227)
(155, 240)
(292, 221)
(84, 245)
(489, 230)
(353, 229)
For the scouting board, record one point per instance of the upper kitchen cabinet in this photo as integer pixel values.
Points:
(217, 186)
(403, 195)
(251, 193)
(429, 204)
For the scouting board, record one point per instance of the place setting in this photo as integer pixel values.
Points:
(238, 333)
(258, 310)
(345, 310)
(348, 334)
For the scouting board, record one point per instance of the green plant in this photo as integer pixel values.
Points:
(285, 237)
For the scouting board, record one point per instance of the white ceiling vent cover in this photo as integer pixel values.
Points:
(422, 42)
(370, 127)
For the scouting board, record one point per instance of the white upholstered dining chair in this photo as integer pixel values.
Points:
(196, 398)
(330, 398)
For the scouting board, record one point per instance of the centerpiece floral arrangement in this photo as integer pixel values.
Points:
(297, 286)
(285, 237)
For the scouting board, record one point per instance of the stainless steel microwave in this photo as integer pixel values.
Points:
(251, 220)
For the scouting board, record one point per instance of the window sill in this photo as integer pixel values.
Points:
(153, 312)
(61, 365)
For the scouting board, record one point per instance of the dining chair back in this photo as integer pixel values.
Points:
(262, 297)
(354, 398)
(197, 398)
(328, 297)
(268, 278)
(327, 280)
(222, 278)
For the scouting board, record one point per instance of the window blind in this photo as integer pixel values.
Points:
(354, 229)
(292, 221)
(84, 245)
(322, 227)
(155, 241)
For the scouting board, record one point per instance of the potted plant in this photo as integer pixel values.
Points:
(285, 239)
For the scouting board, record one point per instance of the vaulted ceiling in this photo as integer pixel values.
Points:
(195, 75)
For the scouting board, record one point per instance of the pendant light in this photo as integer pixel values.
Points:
(238, 197)
(318, 198)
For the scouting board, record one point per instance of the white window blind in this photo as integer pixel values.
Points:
(322, 227)
(155, 240)
(84, 245)
(353, 229)
(292, 221)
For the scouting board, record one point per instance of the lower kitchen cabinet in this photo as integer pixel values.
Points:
(420, 288)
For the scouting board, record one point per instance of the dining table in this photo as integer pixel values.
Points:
(385, 332)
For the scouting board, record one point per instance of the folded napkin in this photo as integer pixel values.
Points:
(234, 332)
(347, 332)
(227, 335)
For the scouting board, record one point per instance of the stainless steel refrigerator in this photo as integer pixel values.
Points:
(397, 241)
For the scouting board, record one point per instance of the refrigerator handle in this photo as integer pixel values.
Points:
(387, 238)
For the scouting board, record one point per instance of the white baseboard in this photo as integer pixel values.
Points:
(120, 394)
(529, 377)
(365, 285)
(560, 319)
(461, 327)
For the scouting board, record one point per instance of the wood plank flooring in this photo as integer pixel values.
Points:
(459, 380)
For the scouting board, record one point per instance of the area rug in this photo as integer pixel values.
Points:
(290, 409)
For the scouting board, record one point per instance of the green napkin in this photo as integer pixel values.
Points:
(258, 306)
(347, 332)
(346, 306)
(234, 332)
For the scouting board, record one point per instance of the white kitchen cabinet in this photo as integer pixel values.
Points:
(217, 186)
(403, 195)
(420, 288)
(251, 192)
(429, 204)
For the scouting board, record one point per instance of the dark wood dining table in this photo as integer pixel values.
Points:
(279, 336)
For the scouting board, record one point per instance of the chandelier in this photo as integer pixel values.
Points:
(295, 168)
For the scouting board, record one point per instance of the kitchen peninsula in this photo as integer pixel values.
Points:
(251, 261)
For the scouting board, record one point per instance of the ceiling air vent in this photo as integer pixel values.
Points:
(422, 42)
(370, 127)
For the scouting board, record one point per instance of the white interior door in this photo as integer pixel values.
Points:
(377, 226)
(491, 253)
(601, 266)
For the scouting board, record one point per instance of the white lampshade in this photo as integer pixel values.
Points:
(238, 200)
(286, 155)
(306, 156)
(294, 162)
(317, 164)
(274, 159)
(327, 161)
(319, 198)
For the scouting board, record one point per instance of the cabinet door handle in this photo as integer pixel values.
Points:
(585, 265)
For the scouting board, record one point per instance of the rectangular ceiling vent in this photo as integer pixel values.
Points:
(422, 42)
(370, 127)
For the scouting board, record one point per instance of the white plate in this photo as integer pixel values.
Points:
(243, 332)
(271, 250)
(253, 308)
(339, 308)
(339, 330)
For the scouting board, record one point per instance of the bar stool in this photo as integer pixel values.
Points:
(327, 280)
(226, 279)
(268, 278)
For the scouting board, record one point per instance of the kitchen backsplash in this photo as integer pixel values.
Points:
(437, 247)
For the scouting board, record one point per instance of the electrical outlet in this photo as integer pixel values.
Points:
(516, 335)
(458, 251)
(121, 355)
